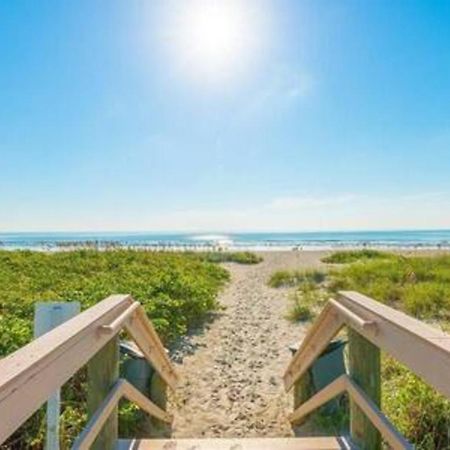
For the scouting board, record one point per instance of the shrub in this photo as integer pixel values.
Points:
(420, 286)
(286, 278)
(175, 290)
(349, 256)
(306, 299)
(237, 257)
(420, 413)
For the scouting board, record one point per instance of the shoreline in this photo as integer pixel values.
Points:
(259, 249)
(227, 249)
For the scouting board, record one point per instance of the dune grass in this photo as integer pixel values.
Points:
(350, 256)
(306, 301)
(176, 290)
(237, 257)
(419, 286)
(291, 278)
(308, 295)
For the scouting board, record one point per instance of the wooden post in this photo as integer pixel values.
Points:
(103, 372)
(364, 369)
(303, 389)
(158, 395)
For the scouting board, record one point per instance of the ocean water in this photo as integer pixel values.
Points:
(250, 241)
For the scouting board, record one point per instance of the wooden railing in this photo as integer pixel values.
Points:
(30, 375)
(371, 326)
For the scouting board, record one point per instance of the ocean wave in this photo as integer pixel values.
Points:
(213, 238)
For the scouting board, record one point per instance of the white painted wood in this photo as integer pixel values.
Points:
(47, 316)
(326, 326)
(424, 349)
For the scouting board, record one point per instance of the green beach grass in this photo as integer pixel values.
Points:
(419, 286)
(176, 291)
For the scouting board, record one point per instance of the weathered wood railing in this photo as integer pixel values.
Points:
(30, 375)
(371, 326)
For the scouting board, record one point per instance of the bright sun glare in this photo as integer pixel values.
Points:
(215, 39)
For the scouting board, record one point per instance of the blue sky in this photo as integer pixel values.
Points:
(330, 115)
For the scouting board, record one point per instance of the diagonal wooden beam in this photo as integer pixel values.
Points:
(87, 437)
(121, 389)
(338, 386)
(378, 419)
(135, 396)
(146, 338)
(326, 326)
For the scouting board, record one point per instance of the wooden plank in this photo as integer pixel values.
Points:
(86, 438)
(338, 386)
(320, 443)
(103, 373)
(353, 320)
(365, 371)
(379, 420)
(134, 395)
(326, 326)
(395, 440)
(30, 375)
(118, 323)
(122, 388)
(146, 338)
(424, 349)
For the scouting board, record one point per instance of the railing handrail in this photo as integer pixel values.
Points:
(423, 349)
(31, 374)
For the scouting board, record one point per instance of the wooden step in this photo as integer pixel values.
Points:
(314, 443)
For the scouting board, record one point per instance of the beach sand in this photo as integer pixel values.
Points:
(231, 370)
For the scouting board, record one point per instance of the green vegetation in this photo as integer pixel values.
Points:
(175, 290)
(306, 300)
(350, 256)
(308, 295)
(290, 278)
(237, 257)
(418, 411)
(420, 286)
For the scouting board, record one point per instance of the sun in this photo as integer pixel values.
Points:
(213, 34)
(214, 39)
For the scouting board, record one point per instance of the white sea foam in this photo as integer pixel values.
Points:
(213, 238)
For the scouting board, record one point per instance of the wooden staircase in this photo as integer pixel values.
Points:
(29, 376)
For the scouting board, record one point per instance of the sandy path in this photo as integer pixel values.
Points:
(231, 372)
